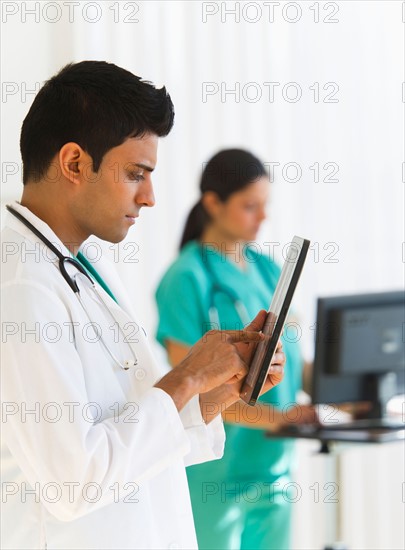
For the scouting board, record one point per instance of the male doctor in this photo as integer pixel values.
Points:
(94, 440)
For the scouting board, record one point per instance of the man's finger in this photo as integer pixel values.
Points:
(239, 375)
(275, 369)
(258, 322)
(243, 336)
(278, 358)
(279, 346)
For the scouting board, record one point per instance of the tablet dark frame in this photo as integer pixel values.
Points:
(251, 391)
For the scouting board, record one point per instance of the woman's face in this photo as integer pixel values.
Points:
(240, 216)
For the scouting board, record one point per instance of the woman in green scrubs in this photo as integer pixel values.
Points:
(221, 280)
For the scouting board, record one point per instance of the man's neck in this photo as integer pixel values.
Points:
(58, 219)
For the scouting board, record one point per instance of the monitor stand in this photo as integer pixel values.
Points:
(380, 389)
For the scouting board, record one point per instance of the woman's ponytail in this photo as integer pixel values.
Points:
(195, 224)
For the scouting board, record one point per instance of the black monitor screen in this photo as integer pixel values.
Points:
(359, 348)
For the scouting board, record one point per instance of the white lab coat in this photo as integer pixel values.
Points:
(99, 462)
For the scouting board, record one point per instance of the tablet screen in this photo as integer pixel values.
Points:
(275, 320)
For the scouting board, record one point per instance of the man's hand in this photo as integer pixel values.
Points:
(217, 359)
(276, 368)
(222, 397)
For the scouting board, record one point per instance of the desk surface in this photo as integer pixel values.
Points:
(353, 434)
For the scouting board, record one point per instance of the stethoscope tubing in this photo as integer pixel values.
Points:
(213, 313)
(75, 288)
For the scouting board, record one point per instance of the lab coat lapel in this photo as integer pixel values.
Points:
(109, 274)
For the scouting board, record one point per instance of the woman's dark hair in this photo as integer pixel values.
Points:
(228, 171)
(95, 104)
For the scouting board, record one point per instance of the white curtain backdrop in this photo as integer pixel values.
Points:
(316, 90)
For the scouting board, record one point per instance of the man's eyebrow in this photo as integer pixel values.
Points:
(143, 166)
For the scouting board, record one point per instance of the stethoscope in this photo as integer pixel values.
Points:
(217, 288)
(126, 364)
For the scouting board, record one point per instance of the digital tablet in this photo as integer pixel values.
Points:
(276, 317)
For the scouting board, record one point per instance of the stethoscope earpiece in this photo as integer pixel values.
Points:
(129, 363)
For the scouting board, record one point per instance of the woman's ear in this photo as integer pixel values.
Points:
(72, 159)
(212, 203)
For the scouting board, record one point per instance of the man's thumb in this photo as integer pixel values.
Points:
(258, 321)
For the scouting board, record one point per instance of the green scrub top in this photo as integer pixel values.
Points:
(93, 273)
(184, 297)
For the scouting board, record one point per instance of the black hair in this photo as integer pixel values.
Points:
(227, 172)
(95, 104)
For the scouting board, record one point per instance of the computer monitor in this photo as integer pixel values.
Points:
(360, 350)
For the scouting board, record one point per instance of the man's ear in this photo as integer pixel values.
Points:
(211, 203)
(73, 161)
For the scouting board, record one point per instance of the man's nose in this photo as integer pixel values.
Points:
(145, 195)
(262, 214)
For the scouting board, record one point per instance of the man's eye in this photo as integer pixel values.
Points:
(135, 176)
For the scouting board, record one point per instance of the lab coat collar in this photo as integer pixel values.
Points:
(103, 267)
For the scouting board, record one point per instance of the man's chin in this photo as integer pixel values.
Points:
(252, 237)
(113, 239)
